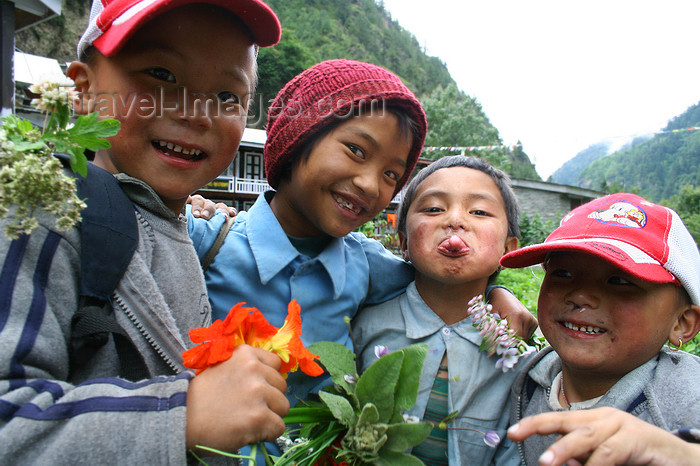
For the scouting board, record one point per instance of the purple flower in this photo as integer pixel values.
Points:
(508, 360)
(492, 439)
(349, 378)
(380, 350)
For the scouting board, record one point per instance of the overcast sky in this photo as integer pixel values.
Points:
(560, 75)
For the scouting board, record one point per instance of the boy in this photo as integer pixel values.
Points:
(178, 76)
(622, 277)
(457, 218)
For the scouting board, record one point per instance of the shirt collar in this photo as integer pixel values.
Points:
(421, 321)
(273, 251)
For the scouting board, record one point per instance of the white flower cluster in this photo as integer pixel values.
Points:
(497, 337)
(53, 95)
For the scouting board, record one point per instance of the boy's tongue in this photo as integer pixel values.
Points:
(453, 246)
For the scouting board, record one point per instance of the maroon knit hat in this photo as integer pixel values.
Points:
(315, 99)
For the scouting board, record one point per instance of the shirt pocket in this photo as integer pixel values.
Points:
(470, 434)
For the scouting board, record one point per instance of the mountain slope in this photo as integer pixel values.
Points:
(659, 167)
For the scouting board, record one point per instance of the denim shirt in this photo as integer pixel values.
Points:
(257, 264)
(477, 390)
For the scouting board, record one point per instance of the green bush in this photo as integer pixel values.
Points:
(524, 283)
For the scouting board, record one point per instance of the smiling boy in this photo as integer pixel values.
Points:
(178, 76)
(614, 291)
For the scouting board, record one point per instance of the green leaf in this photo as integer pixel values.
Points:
(24, 146)
(392, 458)
(340, 407)
(406, 435)
(409, 379)
(88, 132)
(338, 360)
(298, 415)
(369, 415)
(78, 161)
(378, 384)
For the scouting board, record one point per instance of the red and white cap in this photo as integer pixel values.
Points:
(113, 22)
(646, 240)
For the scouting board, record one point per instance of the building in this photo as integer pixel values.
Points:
(550, 201)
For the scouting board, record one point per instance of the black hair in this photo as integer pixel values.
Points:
(499, 177)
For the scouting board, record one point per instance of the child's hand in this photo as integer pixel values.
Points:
(237, 402)
(605, 436)
(205, 208)
(508, 306)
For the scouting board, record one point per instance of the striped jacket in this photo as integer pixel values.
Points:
(53, 413)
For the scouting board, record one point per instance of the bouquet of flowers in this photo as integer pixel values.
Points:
(359, 420)
(30, 177)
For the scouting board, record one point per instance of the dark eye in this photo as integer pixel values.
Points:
(559, 272)
(392, 174)
(618, 280)
(432, 210)
(482, 213)
(356, 150)
(228, 98)
(162, 74)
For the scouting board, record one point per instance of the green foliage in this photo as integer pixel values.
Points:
(533, 230)
(524, 283)
(368, 409)
(380, 230)
(30, 177)
(360, 30)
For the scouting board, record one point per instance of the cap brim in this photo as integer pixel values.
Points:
(257, 17)
(627, 258)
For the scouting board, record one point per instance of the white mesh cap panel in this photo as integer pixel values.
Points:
(92, 32)
(684, 257)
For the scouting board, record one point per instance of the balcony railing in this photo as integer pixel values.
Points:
(257, 186)
(248, 185)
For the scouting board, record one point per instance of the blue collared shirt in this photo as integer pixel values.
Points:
(257, 264)
(477, 389)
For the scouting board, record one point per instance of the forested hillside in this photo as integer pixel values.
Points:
(658, 168)
(316, 30)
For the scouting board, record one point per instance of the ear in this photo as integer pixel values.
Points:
(511, 244)
(404, 247)
(79, 72)
(687, 325)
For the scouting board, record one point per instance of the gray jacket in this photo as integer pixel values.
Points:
(664, 391)
(51, 413)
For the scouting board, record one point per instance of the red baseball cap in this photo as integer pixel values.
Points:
(646, 240)
(113, 22)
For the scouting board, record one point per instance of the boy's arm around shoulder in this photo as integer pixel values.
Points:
(389, 275)
(505, 304)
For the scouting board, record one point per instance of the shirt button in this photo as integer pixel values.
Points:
(446, 331)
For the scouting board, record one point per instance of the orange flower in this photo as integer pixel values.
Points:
(248, 325)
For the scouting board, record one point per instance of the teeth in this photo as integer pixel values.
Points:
(585, 329)
(176, 148)
(347, 205)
